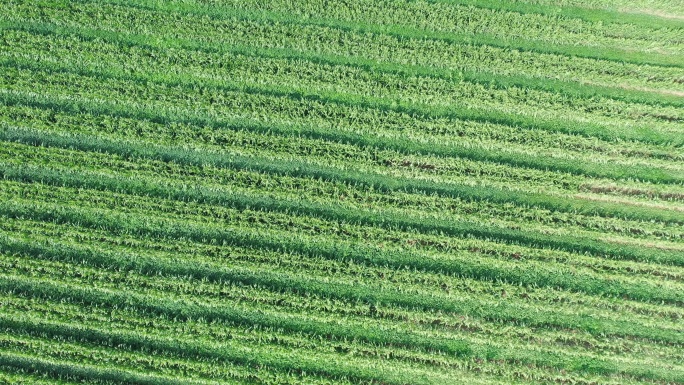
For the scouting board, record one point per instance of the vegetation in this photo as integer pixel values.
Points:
(376, 192)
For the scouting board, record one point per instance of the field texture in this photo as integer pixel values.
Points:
(342, 192)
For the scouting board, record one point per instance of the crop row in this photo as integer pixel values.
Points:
(412, 202)
(207, 333)
(136, 364)
(64, 324)
(165, 123)
(350, 291)
(313, 224)
(349, 270)
(460, 19)
(72, 163)
(265, 353)
(346, 85)
(428, 282)
(435, 327)
(234, 284)
(179, 311)
(340, 20)
(282, 96)
(228, 69)
(192, 96)
(605, 12)
(190, 191)
(423, 282)
(378, 182)
(318, 217)
(215, 57)
(642, 13)
(206, 192)
(459, 265)
(256, 30)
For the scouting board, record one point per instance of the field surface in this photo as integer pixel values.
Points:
(342, 192)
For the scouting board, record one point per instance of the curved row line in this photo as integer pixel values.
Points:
(181, 311)
(275, 340)
(62, 370)
(308, 77)
(342, 214)
(128, 342)
(450, 260)
(571, 12)
(430, 15)
(415, 110)
(404, 32)
(30, 333)
(264, 356)
(315, 249)
(403, 146)
(239, 317)
(324, 248)
(253, 258)
(489, 79)
(461, 21)
(379, 182)
(413, 205)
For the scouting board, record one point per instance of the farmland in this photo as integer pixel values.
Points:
(354, 192)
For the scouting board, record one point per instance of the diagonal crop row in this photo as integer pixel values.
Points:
(240, 182)
(353, 197)
(277, 361)
(279, 282)
(587, 13)
(289, 262)
(335, 213)
(432, 94)
(162, 115)
(352, 313)
(75, 349)
(406, 32)
(414, 110)
(179, 311)
(64, 370)
(239, 336)
(378, 182)
(370, 46)
(317, 309)
(440, 16)
(233, 68)
(574, 90)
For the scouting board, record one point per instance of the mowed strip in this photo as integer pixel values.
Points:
(229, 68)
(656, 171)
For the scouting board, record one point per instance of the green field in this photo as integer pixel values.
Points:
(342, 192)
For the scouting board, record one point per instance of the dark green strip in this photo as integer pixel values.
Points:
(582, 168)
(179, 312)
(406, 32)
(489, 79)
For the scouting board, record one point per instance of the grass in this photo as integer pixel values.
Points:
(400, 192)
